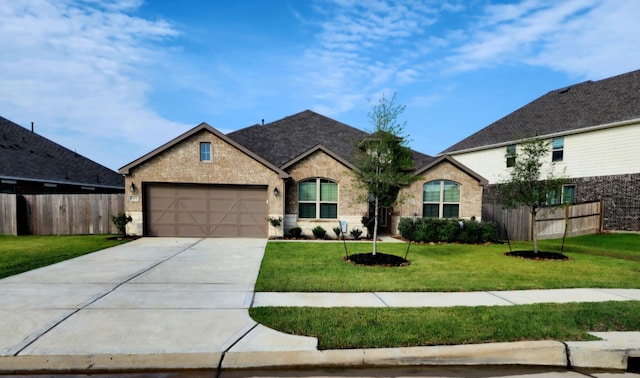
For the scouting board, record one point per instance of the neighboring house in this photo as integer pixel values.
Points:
(594, 131)
(299, 168)
(33, 164)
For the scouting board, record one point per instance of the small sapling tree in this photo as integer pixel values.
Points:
(527, 184)
(383, 160)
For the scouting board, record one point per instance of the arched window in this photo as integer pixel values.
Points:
(318, 198)
(441, 199)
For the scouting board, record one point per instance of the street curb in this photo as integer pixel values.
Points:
(93, 363)
(583, 354)
(542, 353)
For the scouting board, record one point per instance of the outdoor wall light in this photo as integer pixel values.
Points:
(276, 192)
(132, 188)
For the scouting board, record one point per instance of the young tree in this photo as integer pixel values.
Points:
(383, 160)
(526, 185)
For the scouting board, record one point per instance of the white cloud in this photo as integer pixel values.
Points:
(78, 70)
(584, 38)
(600, 43)
(363, 46)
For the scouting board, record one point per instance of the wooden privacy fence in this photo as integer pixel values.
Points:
(8, 215)
(64, 214)
(582, 218)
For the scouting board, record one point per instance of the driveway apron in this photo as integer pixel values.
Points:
(174, 300)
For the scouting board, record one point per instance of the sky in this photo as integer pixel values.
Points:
(115, 79)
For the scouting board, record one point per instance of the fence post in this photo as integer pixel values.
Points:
(601, 226)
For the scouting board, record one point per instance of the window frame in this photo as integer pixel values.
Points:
(557, 153)
(563, 199)
(556, 199)
(510, 155)
(207, 154)
(318, 200)
(441, 203)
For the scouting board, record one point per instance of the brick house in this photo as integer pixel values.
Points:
(594, 131)
(299, 168)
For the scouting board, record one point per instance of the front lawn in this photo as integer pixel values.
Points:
(22, 253)
(603, 260)
(607, 260)
(341, 328)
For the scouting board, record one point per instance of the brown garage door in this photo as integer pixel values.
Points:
(205, 211)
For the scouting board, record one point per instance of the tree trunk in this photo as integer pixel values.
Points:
(375, 227)
(534, 231)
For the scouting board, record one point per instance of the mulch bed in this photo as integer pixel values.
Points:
(538, 256)
(379, 259)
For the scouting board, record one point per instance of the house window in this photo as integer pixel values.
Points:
(441, 199)
(318, 198)
(558, 149)
(511, 155)
(568, 194)
(205, 151)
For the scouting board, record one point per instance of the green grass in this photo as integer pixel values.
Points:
(602, 260)
(22, 253)
(341, 328)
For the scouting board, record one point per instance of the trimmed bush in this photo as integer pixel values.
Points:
(319, 232)
(355, 233)
(295, 232)
(120, 220)
(337, 231)
(489, 232)
(434, 230)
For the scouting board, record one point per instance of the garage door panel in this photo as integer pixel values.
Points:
(193, 218)
(223, 204)
(192, 203)
(224, 218)
(206, 211)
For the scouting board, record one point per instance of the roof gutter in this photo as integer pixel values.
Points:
(14, 178)
(546, 136)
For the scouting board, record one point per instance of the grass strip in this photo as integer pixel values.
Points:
(345, 328)
(604, 260)
(22, 253)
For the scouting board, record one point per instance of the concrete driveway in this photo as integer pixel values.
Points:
(157, 303)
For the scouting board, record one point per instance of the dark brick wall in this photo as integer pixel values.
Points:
(621, 197)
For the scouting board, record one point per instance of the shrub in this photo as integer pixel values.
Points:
(295, 232)
(319, 232)
(275, 222)
(337, 231)
(470, 232)
(489, 232)
(355, 233)
(407, 228)
(447, 230)
(120, 220)
(429, 229)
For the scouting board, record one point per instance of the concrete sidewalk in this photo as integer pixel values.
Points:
(439, 299)
(179, 303)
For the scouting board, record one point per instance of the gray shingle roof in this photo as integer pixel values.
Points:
(29, 156)
(284, 140)
(587, 104)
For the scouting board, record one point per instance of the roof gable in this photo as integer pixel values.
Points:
(315, 149)
(25, 155)
(455, 163)
(283, 140)
(203, 126)
(562, 111)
